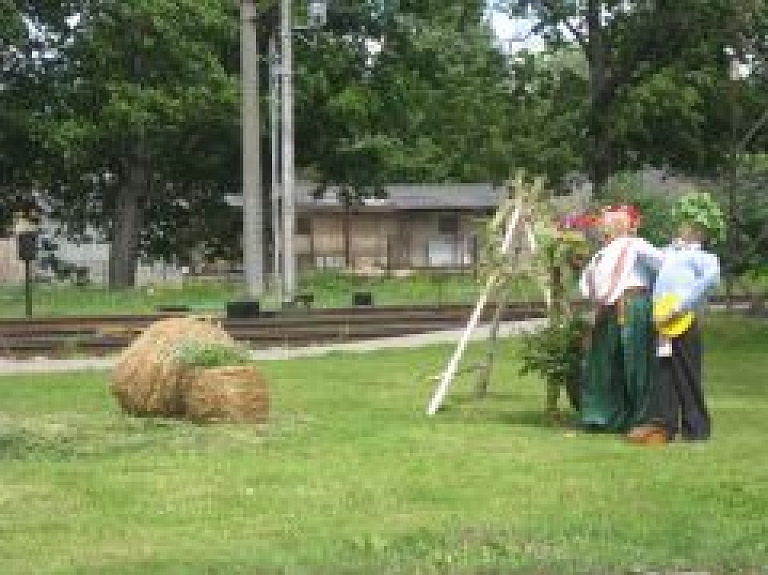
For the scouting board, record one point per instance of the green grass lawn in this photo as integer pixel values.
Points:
(329, 290)
(351, 476)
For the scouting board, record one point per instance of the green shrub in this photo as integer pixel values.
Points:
(556, 353)
(196, 354)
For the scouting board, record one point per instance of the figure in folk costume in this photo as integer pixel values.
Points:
(687, 276)
(618, 392)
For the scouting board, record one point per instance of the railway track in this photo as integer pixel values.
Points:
(103, 335)
(65, 336)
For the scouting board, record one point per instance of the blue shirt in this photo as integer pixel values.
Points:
(688, 272)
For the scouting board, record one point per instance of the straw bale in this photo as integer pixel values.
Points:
(147, 379)
(235, 394)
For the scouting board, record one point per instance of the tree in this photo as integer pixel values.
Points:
(147, 92)
(414, 94)
(747, 223)
(27, 33)
(638, 54)
(548, 94)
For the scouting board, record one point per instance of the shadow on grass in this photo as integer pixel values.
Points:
(498, 408)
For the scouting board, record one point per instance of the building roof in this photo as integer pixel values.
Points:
(402, 197)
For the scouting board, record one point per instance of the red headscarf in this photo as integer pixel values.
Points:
(622, 210)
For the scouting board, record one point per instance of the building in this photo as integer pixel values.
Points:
(406, 227)
(60, 259)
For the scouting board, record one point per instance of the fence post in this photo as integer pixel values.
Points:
(388, 256)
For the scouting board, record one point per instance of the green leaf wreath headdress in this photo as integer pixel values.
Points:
(699, 209)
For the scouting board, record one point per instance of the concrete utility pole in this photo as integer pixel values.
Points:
(288, 192)
(277, 208)
(253, 222)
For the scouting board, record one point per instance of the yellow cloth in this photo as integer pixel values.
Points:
(679, 324)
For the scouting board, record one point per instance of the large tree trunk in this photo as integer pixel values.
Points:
(601, 160)
(127, 223)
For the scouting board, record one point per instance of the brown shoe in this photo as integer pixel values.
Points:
(639, 432)
(657, 437)
(649, 435)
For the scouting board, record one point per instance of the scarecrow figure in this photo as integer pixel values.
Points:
(687, 276)
(618, 391)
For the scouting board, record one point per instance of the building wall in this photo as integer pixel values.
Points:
(11, 267)
(93, 256)
(381, 240)
(378, 241)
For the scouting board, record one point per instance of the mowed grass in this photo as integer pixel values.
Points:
(351, 476)
(329, 289)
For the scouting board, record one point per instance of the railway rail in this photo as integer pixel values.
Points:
(65, 336)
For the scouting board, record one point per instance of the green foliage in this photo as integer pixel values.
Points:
(206, 354)
(145, 116)
(699, 209)
(549, 95)
(656, 207)
(430, 103)
(388, 91)
(676, 117)
(742, 194)
(657, 78)
(556, 351)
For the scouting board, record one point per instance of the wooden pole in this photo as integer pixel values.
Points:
(474, 319)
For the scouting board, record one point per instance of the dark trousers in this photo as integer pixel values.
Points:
(679, 385)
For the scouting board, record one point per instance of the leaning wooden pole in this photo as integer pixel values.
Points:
(485, 377)
(450, 371)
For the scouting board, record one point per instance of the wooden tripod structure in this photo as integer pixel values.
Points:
(516, 217)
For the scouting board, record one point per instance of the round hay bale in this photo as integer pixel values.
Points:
(147, 378)
(234, 394)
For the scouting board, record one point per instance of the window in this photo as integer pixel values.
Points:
(448, 224)
(303, 226)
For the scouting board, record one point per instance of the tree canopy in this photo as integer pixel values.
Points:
(124, 116)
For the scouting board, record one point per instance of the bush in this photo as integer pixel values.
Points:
(556, 353)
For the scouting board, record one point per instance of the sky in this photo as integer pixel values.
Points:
(515, 33)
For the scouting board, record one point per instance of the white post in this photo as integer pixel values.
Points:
(288, 191)
(274, 121)
(253, 230)
(453, 365)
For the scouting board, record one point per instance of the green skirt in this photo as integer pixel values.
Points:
(618, 391)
